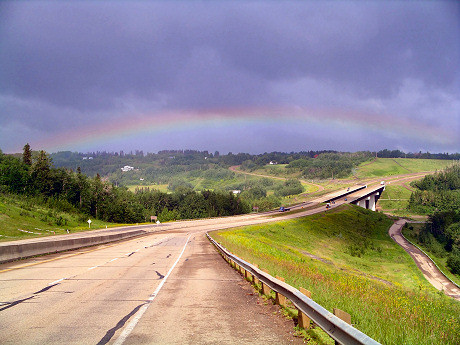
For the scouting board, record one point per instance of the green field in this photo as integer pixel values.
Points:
(36, 220)
(382, 167)
(161, 187)
(357, 268)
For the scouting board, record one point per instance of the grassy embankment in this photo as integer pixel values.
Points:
(38, 220)
(362, 272)
(395, 199)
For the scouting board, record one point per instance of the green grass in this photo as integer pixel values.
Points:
(278, 170)
(161, 187)
(395, 197)
(365, 273)
(382, 167)
(421, 165)
(27, 214)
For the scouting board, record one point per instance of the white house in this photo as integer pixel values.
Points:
(127, 168)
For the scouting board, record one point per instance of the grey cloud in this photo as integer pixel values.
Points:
(72, 62)
(83, 55)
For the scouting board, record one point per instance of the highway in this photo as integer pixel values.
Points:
(170, 287)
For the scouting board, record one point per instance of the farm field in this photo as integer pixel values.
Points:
(380, 285)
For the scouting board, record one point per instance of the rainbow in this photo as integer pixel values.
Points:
(131, 125)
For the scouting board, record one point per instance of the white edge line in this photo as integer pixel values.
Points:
(130, 327)
(57, 281)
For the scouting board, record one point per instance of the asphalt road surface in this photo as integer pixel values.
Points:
(170, 287)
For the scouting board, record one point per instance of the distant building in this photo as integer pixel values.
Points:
(127, 168)
(236, 191)
(273, 163)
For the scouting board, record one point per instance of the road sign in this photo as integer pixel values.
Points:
(89, 223)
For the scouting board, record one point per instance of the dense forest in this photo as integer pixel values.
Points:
(33, 175)
(440, 194)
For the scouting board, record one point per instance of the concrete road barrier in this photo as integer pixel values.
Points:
(11, 251)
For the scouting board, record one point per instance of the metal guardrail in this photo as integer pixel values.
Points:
(336, 328)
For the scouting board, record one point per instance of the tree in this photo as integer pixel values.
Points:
(27, 155)
(40, 173)
(13, 174)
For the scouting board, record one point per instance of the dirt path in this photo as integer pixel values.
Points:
(424, 263)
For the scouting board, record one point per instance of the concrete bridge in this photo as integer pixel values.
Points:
(360, 195)
(367, 197)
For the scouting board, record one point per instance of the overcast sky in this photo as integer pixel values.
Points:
(236, 76)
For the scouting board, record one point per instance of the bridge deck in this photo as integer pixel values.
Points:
(339, 194)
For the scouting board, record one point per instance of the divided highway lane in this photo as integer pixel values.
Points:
(82, 299)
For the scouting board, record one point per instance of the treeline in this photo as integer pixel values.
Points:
(437, 192)
(421, 155)
(34, 175)
(184, 203)
(440, 194)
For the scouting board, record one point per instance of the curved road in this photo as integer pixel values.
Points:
(424, 263)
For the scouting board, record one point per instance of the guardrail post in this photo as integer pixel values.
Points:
(280, 299)
(302, 319)
(265, 288)
(247, 275)
(254, 278)
(343, 316)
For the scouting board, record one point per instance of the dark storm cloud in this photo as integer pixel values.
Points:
(67, 63)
